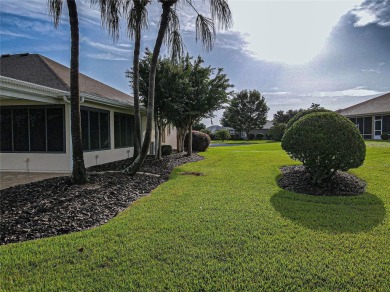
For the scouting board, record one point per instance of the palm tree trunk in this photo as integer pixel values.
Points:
(160, 136)
(79, 175)
(135, 166)
(137, 113)
(189, 146)
(156, 133)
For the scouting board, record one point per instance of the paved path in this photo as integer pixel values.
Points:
(10, 179)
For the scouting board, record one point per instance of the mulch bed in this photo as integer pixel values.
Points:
(296, 179)
(54, 206)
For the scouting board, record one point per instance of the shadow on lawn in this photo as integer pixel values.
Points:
(334, 215)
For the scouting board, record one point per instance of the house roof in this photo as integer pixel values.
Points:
(377, 105)
(37, 69)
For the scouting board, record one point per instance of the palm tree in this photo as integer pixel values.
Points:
(137, 16)
(169, 24)
(79, 174)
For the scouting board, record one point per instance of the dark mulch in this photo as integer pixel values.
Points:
(296, 179)
(54, 206)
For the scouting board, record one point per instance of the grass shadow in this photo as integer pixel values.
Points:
(334, 215)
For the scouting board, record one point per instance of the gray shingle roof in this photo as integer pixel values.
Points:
(377, 105)
(38, 69)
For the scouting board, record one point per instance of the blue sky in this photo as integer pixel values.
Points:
(335, 53)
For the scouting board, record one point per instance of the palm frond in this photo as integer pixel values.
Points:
(137, 16)
(110, 13)
(55, 9)
(205, 31)
(176, 46)
(220, 12)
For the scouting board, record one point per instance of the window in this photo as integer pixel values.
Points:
(95, 129)
(124, 129)
(32, 129)
(386, 124)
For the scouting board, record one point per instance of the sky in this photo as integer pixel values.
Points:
(330, 52)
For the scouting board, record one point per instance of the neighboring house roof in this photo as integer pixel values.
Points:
(268, 125)
(377, 105)
(37, 69)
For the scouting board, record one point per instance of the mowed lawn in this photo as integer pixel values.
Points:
(231, 229)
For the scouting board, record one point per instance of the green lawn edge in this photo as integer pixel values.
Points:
(231, 229)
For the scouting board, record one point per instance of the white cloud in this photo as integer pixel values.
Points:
(371, 11)
(291, 32)
(107, 56)
(15, 34)
(105, 47)
(356, 92)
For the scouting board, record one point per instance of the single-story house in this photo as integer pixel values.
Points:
(35, 117)
(264, 130)
(372, 117)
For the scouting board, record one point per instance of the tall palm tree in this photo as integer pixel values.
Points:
(137, 16)
(79, 174)
(205, 30)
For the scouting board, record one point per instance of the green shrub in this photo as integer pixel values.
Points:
(385, 136)
(251, 136)
(324, 142)
(200, 141)
(223, 135)
(259, 136)
(304, 113)
(277, 131)
(166, 150)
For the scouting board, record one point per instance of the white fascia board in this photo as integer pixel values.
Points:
(17, 89)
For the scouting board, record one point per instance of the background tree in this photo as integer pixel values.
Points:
(247, 111)
(185, 92)
(205, 30)
(79, 174)
(284, 117)
(198, 126)
(207, 92)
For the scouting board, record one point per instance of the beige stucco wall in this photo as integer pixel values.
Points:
(62, 162)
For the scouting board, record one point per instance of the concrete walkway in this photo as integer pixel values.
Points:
(10, 179)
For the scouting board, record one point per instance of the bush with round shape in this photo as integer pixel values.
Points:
(325, 142)
(251, 136)
(259, 136)
(166, 150)
(200, 141)
(385, 136)
(223, 135)
(301, 114)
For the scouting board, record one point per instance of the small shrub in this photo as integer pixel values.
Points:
(251, 136)
(200, 141)
(304, 113)
(324, 142)
(223, 135)
(259, 136)
(166, 150)
(385, 136)
(277, 131)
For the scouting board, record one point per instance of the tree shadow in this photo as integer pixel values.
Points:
(334, 215)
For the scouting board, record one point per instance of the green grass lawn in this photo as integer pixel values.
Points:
(232, 229)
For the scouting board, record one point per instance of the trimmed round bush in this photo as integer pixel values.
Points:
(259, 136)
(166, 150)
(200, 141)
(385, 136)
(251, 136)
(304, 113)
(324, 142)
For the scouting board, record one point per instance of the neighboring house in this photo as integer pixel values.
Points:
(264, 130)
(372, 117)
(35, 117)
(215, 128)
